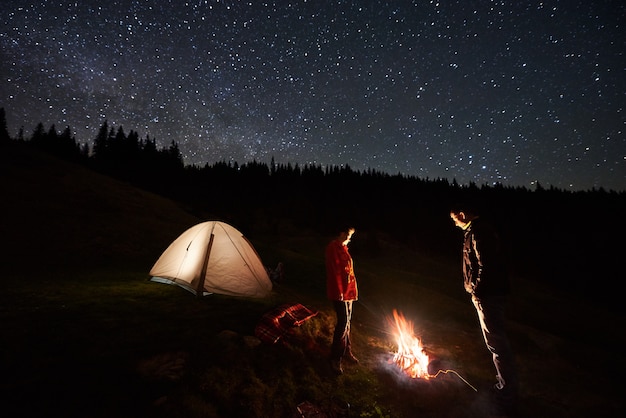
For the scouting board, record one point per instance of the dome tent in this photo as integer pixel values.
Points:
(213, 257)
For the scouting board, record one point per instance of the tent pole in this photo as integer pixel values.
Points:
(200, 289)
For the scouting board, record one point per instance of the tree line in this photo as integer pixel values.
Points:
(556, 235)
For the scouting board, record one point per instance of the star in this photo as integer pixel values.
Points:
(509, 93)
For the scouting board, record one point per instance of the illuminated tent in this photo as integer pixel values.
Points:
(213, 257)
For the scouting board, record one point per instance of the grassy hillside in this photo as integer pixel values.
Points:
(56, 214)
(84, 333)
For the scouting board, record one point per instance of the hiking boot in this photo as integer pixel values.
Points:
(505, 401)
(335, 365)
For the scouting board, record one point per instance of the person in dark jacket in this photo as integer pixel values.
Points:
(341, 289)
(486, 279)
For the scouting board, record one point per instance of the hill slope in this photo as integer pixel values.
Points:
(116, 345)
(57, 214)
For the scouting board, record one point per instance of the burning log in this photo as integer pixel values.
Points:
(411, 357)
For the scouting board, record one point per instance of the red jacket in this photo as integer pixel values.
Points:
(340, 279)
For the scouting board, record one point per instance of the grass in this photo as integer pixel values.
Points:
(111, 343)
(86, 334)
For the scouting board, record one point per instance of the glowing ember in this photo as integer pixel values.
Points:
(410, 357)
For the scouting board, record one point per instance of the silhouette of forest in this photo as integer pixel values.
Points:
(570, 239)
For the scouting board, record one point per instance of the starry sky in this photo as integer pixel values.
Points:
(507, 91)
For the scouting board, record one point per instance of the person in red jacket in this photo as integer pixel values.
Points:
(341, 289)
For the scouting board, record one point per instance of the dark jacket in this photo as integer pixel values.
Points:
(484, 262)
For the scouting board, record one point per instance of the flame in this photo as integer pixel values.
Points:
(410, 357)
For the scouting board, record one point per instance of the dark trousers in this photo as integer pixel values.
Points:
(341, 336)
(493, 324)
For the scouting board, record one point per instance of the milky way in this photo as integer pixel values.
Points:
(509, 92)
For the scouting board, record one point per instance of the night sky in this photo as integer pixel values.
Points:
(509, 92)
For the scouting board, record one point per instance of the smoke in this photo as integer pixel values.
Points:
(438, 369)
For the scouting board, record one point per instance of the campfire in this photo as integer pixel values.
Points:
(410, 357)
